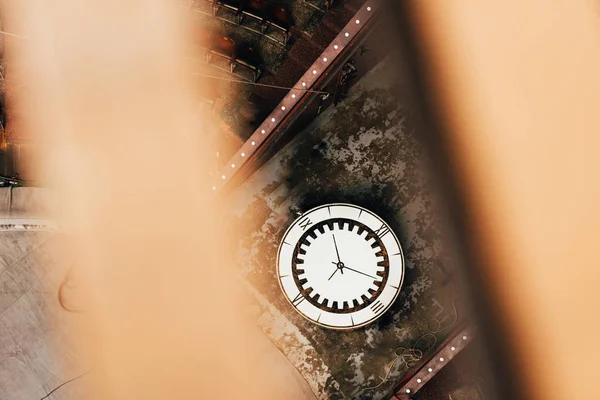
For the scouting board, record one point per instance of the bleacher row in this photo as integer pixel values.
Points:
(222, 51)
(269, 17)
(268, 20)
(234, 54)
(268, 42)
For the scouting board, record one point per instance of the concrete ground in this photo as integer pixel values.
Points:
(364, 151)
(37, 351)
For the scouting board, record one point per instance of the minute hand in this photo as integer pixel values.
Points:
(336, 249)
(362, 273)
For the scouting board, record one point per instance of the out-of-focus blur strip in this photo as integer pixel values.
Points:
(519, 88)
(105, 87)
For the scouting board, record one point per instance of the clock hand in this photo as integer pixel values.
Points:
(336, 249)
(362, 273)
(336, 270)
(340, 266)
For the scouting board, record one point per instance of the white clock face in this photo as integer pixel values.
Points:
(340, 266)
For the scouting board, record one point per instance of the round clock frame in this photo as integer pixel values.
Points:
(340, 266)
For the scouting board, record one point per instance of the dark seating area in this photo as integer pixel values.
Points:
(279, 18)
(257, 10)
(248, 57)
(321, 5)
(223, 47)
(225, 54)
(234, 6)
(273, 21)
(266, 43)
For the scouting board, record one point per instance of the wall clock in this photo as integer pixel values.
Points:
(340, 266)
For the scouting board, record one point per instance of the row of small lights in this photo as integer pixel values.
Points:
(293, 95)
(408, 391)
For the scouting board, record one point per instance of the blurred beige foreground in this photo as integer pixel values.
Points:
(107, 92)
(520, 84)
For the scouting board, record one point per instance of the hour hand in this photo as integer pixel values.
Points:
(336, 270)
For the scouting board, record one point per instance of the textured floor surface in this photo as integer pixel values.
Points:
(36, 352)
(36, 336)
(365, 152)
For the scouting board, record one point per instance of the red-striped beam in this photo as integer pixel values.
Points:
(296, 95)
(446, 353)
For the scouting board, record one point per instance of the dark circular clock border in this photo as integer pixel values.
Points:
(296, 262)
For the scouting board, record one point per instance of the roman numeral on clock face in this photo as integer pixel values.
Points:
(377, 306)
(305, 223)
(381, 232)
(298, 299)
